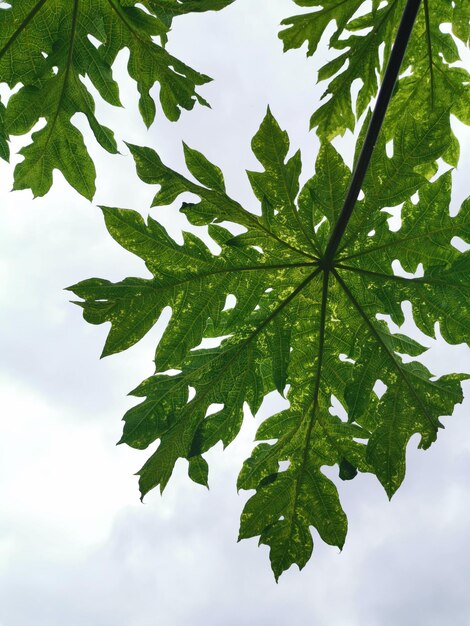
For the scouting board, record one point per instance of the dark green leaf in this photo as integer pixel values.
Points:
(4, 147)
(199, 470)
(429, 90)
(298, 325)
(48, 47)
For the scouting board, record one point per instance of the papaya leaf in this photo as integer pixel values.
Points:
(308, 328)
(49, 46)
(362, 42)
(4, 147)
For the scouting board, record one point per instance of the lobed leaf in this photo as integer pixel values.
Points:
(298, 325)
(48, 48)
(362, 42)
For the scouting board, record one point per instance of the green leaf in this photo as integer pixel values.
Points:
(4, 147)
(199, 470)
(166, 10)
(49, 47)
(308, 328)
(362, 46)
(203, 170)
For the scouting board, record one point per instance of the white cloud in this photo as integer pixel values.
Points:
(76, 546)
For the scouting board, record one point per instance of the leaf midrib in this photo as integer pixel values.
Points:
(314, 405)
(397, 244)
(434, 422)
(239, 347)
(52, 124)
(404, 279)
(31, 15)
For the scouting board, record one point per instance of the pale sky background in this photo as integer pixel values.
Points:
(77, 548)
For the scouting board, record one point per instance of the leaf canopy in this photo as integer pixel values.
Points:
(289, 321)
(48, 48)
(287, 307)
(432, 82)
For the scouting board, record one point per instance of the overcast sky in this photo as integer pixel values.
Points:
(77, 548)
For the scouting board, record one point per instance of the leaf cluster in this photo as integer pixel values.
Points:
(49, 47)
(307, 329)
(287, 312)
(432, 81)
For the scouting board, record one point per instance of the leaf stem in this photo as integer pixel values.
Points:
(383, 100)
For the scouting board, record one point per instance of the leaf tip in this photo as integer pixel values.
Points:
(105, 210)
(77, 303)
(107, 351)
(132, 147)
